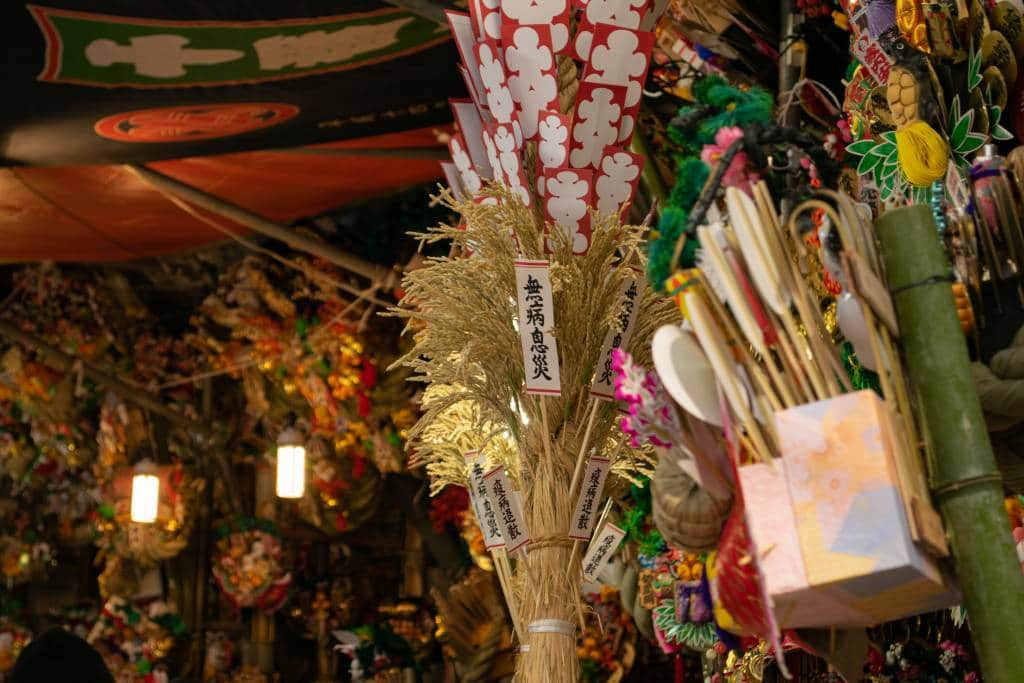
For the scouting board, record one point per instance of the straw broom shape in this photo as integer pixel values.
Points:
(467, 346)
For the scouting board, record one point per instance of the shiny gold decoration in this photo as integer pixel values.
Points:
(912, 25)
(749, 668)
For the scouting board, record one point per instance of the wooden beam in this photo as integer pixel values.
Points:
(386, 277)
(428, 153)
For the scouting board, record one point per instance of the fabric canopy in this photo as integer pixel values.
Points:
(107, 213)
(122, 81)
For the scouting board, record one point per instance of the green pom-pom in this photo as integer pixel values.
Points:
(690, 179)
(704, 85)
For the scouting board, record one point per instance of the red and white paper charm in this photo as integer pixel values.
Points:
(451, 175)
(486, 16)
(467, 116)
(621, 13)
(567, 197)
(495, 85)
(530, 70)
(465, 40)
(511, 161)
(551, 13)
(470, 179)
(599, 111)
(620, 57)
(470, 88)
(487, 136)
(650, 19)
(617, 178)
(553, 132)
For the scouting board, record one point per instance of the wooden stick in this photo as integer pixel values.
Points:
(547, 430)
(804, 390)
(504, 571)
(583, 449)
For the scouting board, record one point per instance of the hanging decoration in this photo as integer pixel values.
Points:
(148, 544)
(607, 646)
(248, 564)
(296, 342)
(25, 554)
(135, 642)
(13, 639)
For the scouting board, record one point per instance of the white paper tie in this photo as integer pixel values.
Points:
(566, 628)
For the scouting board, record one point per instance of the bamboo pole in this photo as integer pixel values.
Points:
(257, 223)
(966, 482)
(651, 181)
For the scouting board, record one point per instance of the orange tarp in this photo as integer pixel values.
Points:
(107, 213)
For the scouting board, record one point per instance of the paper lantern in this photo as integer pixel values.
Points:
(145, 494)
(291, 465)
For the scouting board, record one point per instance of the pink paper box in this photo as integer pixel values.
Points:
(829, 523)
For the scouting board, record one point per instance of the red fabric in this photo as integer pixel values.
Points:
(107, 213)
(739, 586)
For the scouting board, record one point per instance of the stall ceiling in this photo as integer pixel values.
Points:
(107, 213)
(200, 91)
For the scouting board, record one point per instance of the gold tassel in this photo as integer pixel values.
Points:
(923, 153)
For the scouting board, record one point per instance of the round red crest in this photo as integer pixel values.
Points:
(193, 122)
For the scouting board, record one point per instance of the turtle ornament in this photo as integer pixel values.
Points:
(921, 151)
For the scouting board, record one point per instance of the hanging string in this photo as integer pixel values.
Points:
(790, 95)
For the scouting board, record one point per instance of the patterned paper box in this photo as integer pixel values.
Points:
(773, 531)
(849, 514)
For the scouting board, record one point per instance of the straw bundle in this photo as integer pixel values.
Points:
(468, 349)
(687, 515)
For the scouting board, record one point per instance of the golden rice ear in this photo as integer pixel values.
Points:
(923, 153)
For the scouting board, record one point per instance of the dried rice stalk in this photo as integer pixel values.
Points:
(468, 351)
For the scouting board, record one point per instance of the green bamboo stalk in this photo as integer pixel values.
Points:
(965, 479)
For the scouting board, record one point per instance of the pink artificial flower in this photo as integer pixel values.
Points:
(736, 175)
(972, 677)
